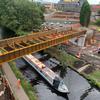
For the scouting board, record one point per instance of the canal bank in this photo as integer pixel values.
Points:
(89, 54)
(18, 93)
(31, 92)
(12, 73)
(74, 63)
(78, 86)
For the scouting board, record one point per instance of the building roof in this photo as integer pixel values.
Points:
(95, 8)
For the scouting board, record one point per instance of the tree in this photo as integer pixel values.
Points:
(85, 14)
(21, 15)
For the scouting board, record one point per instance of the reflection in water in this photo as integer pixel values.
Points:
(46, 92)
(63, 71)
(85, 94)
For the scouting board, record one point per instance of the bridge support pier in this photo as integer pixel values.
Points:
(89, 41)
(89, 38)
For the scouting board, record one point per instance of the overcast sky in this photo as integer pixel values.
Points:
(90, 1)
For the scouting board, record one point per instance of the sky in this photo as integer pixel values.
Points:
(90, 1)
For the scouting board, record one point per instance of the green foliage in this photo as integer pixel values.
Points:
(21, 15)
(62, 56)
(20, 33)
(96, 75)
(99, 12)
(85, 14)
(30, 91)
(97, 22)
(92, 80)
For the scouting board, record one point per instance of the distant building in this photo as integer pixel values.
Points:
(95, 12)
(70, 5)
(95, 8)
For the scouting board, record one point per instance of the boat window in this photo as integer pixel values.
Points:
(61, 83)
(56, 82)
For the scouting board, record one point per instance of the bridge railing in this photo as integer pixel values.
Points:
(32, 48)
(25, 38)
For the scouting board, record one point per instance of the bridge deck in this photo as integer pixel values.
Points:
(13, 48)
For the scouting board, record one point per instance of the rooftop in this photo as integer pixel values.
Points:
(95, 7)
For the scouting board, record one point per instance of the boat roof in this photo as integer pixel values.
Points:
(50, 73)
(36, 61)
(39, 64)
(54, 60)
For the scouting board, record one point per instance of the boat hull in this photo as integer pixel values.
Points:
(42, 74)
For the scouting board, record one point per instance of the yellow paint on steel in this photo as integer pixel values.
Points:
(11, 41)
(11, 55)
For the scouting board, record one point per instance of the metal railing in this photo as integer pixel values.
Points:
(61, 37)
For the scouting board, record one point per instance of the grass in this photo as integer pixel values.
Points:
(1, 71)
(21, 33)
(63, 57)
(30, 91)
(93, 81)
(96, 75)
(97, 22)
(93, 78)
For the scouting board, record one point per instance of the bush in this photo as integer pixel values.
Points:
(20, 33)
(92, 80)
(21, 15)
(98, 22)
(85, 14)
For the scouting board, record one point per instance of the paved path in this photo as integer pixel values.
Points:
(83, 68)
(19, 93)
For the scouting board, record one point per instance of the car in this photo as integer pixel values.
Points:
(60, 25)
(51, 23)
(66, 22)
(57, 23)
(69, 22)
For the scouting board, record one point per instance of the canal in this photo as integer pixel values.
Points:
(78, 86)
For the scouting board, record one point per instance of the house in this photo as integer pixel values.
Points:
(95, 12)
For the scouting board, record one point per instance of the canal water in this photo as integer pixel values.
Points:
(79, 87)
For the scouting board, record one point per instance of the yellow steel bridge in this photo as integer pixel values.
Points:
(16, 47)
